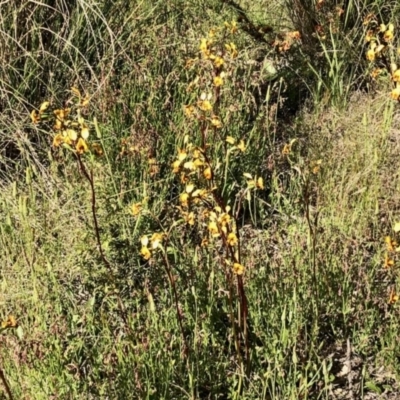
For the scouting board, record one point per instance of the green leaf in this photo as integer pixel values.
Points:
(372, 386)
(20, 332)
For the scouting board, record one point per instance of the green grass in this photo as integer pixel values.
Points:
(312, 242)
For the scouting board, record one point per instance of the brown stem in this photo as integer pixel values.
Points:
(243, 303)
(90, 178)
(218, 198)
(313, 232)
(230, 298)
(243, 312)
(6, 385)
(176, 300)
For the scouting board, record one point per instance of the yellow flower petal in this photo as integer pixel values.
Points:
(218, 81)
(72, 134)
(207, 173)
(396, 76)
(190, 218)
(145, 252)
(375, 73)
(183, 198)
(197, 163)
(156, 239)
(10, 322)
(203, 44)
(231, 47)
(205, 105)
(388, 262)
(238, 269)
(224, 219)
(67, 140)
(175, 166)
(213, 228)
(144, 240)
(35, 117)
(396, 227)
(395, 94)
(189, 188)
(241, 146)
(58, 125)
(58, 140)
(76, 91)
(390, 244)
(215, 121)
(218, 62)
(85, 133)
(393, 297)
(286, 149)
(189, 165)
(370, 55)
(85, 101)
(369, 35)
(44, 106)
(81, 147)
(232, 239)
(182, 155)
(388, 36)
(62, 113)
(189, 110)
(136, 208)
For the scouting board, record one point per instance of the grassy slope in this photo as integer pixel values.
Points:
(315, 282)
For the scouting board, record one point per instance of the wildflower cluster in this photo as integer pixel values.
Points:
(71, 129)
(201, 206)
(382, 52)
(200, 167)
(217, 56)
(200, 203)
